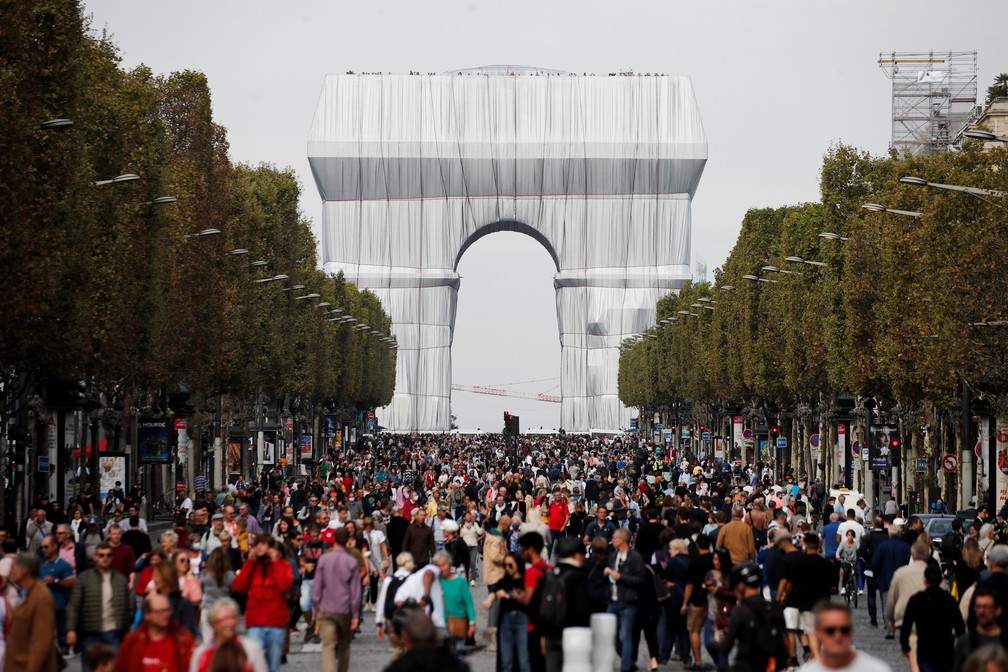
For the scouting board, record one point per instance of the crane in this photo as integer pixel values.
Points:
(496, 392)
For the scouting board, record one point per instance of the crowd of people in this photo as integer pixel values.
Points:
(712, 564)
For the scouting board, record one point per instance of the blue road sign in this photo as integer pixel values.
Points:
(782, 442)
(705, 436)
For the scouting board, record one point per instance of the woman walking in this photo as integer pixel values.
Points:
(460, 615)
(215, 579)
(266, 578)
(512, 629)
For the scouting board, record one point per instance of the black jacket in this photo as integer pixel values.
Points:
(936, 614)
(598, 583)
(632, 576)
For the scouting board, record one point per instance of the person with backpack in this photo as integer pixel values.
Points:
(756, 627)
(561, 600)
(532, 545)
(385, 607)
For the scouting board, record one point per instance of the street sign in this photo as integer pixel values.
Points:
(705, 436)
(814, 440)
(658, 426)
(782, 442)
(746, 434)
(633, 423)
(43, 464)
(950, 463)
(855, 448)
(371, 425)
(181, 423)
(370, 416)
(921, 465)
(978, 449)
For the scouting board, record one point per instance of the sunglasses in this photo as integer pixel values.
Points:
(844, 630)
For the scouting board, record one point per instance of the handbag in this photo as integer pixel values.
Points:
(458, 628)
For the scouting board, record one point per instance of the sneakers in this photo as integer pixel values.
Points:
(472, 584)
(843, 591)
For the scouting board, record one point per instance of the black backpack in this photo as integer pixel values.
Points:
(767, 629)
(548, 607)
(393, 587)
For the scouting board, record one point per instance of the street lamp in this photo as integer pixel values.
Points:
(829, 235)
(118, 179)
(984, 135)
(728, 288)
(683, 312)
(875, 207)
(293, 288)
(161, 200)
(799, 260)
(258, 264)
(203, 234)
(313, 295)
(776, 269)
(322, 304)
(54, 124)
(275, 278)
(972, 191)
(237, 252)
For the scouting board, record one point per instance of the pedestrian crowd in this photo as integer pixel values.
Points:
(712, 564)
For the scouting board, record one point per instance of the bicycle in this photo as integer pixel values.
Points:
(850, 582)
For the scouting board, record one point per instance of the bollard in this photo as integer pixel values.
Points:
(577, 650)
(603, 627)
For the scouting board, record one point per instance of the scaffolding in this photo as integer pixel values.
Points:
(934, 96)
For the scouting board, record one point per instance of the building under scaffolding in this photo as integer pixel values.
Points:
(934, 97)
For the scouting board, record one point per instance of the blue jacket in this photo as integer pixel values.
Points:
(890, 555)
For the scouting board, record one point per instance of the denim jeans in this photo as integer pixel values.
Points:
(870, 590)
(272, 642)
(513, 644)
(625, 617)
(110, 637)
(720, 657)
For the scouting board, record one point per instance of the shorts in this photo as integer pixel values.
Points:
(695, 618)
(806, 622)
(791, 618)
(305, 603)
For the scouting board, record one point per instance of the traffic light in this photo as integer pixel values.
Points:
(774, 433)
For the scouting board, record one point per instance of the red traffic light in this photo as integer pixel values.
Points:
(894, 443)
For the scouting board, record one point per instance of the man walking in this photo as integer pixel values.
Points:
(59, 577)
(419, 539)
(100, 607)
(31, 643)
(737, 537)
(626, 572)
(336, 596)
(160, 643)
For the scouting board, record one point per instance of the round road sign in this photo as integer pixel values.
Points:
(978, 449)
(747, 434)
(950, 463)
(855, 449)
(814, 440)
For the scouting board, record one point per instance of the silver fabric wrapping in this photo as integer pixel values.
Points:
(600, 170)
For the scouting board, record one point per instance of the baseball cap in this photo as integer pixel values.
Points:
(217, 516)
(899, 522)
(748, 573)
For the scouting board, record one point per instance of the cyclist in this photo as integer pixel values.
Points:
(847, 553)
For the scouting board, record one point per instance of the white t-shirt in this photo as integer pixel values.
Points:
(862, 662)
(413, 587)
(851, 525)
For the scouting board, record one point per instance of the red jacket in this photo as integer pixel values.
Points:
(131, 652)
(267, 584)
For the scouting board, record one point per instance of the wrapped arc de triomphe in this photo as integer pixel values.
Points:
(413, 169)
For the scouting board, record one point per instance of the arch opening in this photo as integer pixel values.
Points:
(506, 335)
(507, 225)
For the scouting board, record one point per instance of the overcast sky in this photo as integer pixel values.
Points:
(777, 81)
